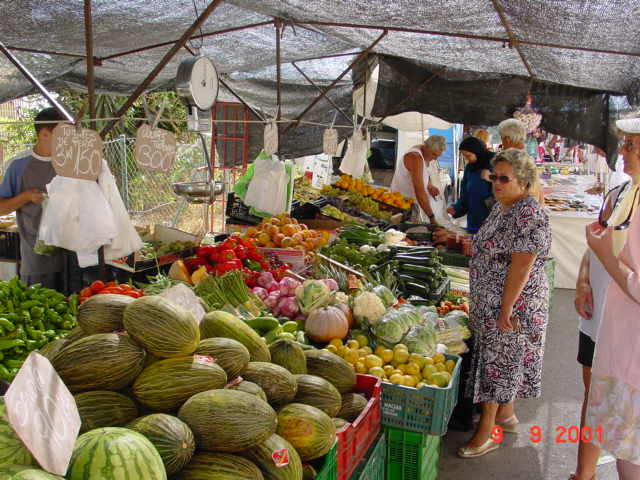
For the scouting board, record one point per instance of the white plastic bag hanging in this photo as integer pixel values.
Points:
(330, 139)
(271, 138)
(267, 189)
(354, 160)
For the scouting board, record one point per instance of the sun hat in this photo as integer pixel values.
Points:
(630, 126)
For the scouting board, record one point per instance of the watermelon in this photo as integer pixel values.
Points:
(24, 472)
(249, 387)
(171, 436)
(219, 466)
(223, 324)
(277, 459)
(115, 453)
(167, 384)
(352, 406)
(228, 420)
(332, 368)
(105, 361)
(276, 381)
(103, 313)
(51, 349)
(319, 393)
(103, 408)
(12, 450)
(230, 354)
(288, 354)
(76, 333)
(308, 429)
(162, 327)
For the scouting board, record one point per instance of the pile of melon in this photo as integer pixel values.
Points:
(161, 396)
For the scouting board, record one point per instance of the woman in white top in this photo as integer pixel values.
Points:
(412, 175)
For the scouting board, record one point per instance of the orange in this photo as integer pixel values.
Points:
(288, 230)
(263, 238)
(272, 230)
(277, 239)
(287, 242)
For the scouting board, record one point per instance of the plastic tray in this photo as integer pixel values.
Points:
(355, 439)
(426, 410)
(238, 212)
(411, 456)
(454, 259)
(373, 467)
(329, 470)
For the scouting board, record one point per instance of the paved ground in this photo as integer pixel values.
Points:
(520, 458)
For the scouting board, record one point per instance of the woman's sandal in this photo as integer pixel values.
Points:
(509, 425)
(474, 452)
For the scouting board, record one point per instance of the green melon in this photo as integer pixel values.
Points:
(23, 472)
(332, 368)
(223, 324)
(219, 466)
(167, 384)
(76, 333)
(162, 327)
(319, 393)
(115, 453)
(171, 436)
(103, 408)
(276, 381)
(352, 406)
(263, 456)
(230, 354)
(308, 429)
(250, 387)
(103, 313)
(228, 420)
(288, 354)
(12, 450)
(105, 361)
(340, 423)
(51, 349)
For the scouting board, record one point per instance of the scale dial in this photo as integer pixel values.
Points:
(197, 82)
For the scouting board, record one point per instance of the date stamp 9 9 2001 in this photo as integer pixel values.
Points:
(563, 434)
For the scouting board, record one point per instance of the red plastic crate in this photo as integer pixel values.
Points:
(355, 439)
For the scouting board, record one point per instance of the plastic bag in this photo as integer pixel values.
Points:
(330, 141)
(421, 339)
(40, 247)
(268, 189)
(271, 138)
(354, 160)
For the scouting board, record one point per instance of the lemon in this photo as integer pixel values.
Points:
(362, 340)
(401, 346)
(439, 379)
(332, 348)
(379, 349)
(428, 370)
(409, 381)
(400, 356)
(388, 370)
(397, 371)
(421, 384)
(386, 355)
(351, 357)
(428, 361)
(413, 369)
(353, 344)
(377, 371)
(440, 367)
(342, 351)
(446, 374)
(438, 358)
(402, 367)
(417, 378)
(368, 350)
(397, 379)
(417, 359)
(362, 353)
(361, 367)
(373, 361)
(337, 342)
(450, 364)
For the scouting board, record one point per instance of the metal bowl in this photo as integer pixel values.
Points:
(201, 191)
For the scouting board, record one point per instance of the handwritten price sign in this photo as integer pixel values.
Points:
(155, 149)
(43, 413)
(77, 153)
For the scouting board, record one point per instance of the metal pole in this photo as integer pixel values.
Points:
(165, 60)
(255, 112)
(36, 83)
(512, 37)
(125, 168)
(91, 83)
(322, 92)
(278, 25)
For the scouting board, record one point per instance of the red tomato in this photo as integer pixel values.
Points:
(97, 286)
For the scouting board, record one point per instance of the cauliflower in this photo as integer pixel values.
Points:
(368, 306)
(393, 237)
(339, 297)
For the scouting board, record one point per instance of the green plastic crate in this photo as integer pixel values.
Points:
(329, 470)
(373, 466)
(412, 456)
(426, 410)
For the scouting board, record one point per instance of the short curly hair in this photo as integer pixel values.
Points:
(514, 129)
(524, 168)
(436, 142)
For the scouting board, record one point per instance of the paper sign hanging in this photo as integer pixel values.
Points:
(155, 149)
(43, 413)
(77, 152)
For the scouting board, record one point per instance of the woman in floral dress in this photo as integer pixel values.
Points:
(509, 300)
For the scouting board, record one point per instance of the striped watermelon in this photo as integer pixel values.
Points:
(308, 429)
(115, 453)
(102, 408)
(171, 436)
(268, 454)
(162, 327)
(277, 382)
(219, 466)
(167, 384)
(23, 472)
(249, 387)
(51, 349)
(230, 354)
(105, 361)
(12, 450)
(223, 324)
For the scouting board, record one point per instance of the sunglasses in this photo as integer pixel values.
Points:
(627, 145)
(624, 225)
(499, 178)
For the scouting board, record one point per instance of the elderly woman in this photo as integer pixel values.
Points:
(416, 177)
(476, 198)
(509, 300)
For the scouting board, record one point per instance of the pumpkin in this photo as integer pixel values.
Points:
(325, 324)
(344, 308)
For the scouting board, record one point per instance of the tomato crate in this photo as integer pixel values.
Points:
(373, 467)
(411, 455)
(355, 439)
(328, 469)
(426, 410)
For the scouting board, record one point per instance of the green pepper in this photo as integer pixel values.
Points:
(50, 333)
(29, 304)
(43, 342)
(17, 333)
(61, 307)
(38, 324)
(49, 326)
(13, 363)
(26, 317)
(5, 373)
(53, 317)
(73, 304)
(37, 312)
(7, 325)
(9, 306)
(47, 292)
(66, 325)
(31, 344)
(36, 286)
(12, 317)
(1, 356)
(7, 344)
(34, 334)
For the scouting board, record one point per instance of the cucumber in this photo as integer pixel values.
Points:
(263, 324)
(291, 326)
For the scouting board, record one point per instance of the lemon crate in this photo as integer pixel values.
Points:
(329, 469)
(411, 455)
(425, 410)
(373, 467)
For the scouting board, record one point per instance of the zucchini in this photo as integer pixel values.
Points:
(263, 324)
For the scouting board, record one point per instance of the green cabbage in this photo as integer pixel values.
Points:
(421, 339)
(311, 295)
(395, 323)
(385, 295)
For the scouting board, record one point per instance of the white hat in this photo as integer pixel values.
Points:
(629, 125)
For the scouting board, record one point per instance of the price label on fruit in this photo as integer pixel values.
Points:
(43, 413)
(280, 457)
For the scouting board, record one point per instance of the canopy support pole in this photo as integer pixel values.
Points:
(512, 37)
(239, 98)
(165, 60)
(278, 25)
(322, 92)
(360, 56)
